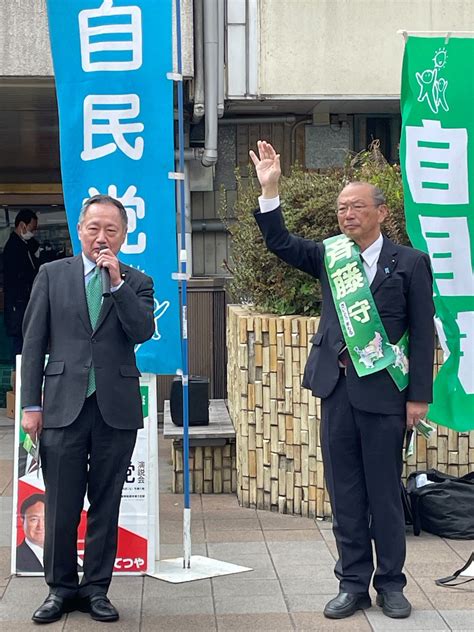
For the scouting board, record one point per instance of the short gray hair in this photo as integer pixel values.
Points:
(377, 194)
(104, 199)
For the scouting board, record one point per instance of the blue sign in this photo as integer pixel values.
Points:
(116, 136)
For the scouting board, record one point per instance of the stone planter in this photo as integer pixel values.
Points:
(279, 463)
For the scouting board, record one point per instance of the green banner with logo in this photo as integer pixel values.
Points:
(437, 159)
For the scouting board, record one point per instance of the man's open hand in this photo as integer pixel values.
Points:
(267, 166)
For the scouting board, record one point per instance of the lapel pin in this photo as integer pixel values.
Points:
(387, 271)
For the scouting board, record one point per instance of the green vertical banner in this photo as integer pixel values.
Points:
(437, 159)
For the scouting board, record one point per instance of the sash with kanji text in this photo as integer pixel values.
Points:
(367, 342)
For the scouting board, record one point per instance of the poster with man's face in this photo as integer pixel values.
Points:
(29, 551)
(137, 520)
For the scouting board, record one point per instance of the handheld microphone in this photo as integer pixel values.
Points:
(105, 276)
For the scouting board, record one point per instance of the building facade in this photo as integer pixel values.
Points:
(315, 77)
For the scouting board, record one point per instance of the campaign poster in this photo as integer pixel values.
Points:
(138, 521)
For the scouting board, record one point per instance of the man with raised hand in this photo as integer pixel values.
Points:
(88, 419)
(371, 363)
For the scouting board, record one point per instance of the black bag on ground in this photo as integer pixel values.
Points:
(444, 505)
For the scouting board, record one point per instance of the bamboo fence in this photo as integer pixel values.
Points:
(279, 462)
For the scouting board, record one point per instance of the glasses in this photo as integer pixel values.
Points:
(357, 207)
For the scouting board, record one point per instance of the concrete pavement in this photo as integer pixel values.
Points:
(292, 558)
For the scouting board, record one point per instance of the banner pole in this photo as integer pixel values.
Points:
(184, 288)
(179, 569)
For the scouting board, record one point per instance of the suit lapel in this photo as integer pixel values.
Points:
(104, 310)
(387, 263)
(108, 302)
(79, 289)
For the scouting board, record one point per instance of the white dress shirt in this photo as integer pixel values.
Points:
(89, 266)
(370, 256)
(37, 550)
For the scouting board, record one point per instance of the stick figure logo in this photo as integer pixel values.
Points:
(432, 86)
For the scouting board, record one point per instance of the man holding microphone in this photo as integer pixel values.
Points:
(91, 410)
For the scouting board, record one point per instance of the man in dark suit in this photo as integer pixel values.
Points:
(20, 266)
(29, 554)
(91, 408)
(363, 419)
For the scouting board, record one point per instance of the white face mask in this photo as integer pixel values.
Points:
(27, 236)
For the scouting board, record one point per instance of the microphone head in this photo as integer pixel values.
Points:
(103, 247)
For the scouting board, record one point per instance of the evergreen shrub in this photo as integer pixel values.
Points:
(259, 278)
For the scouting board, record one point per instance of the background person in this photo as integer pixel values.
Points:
(91, 406)
(363, 419)
(20, 266)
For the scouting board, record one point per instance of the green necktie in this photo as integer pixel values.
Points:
(94, 304)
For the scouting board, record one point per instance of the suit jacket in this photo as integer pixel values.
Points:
(403, 294)
(26, 560)
(20, 269)
(57, 319)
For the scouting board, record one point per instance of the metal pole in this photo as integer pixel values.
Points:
(184, 289)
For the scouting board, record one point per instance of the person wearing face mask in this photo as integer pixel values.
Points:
(20, 265)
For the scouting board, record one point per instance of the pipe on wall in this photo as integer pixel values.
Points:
(211, 32)
(300, 123)
(255, 120)
(198, 109)
(220, 57)
(191, 153)
(209, 226)
(187, 213)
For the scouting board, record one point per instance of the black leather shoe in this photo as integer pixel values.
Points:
(99, 607)
(345, 604)
(394, 604)
(52, 609)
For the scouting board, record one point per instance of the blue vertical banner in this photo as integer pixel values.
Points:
(116, 137)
